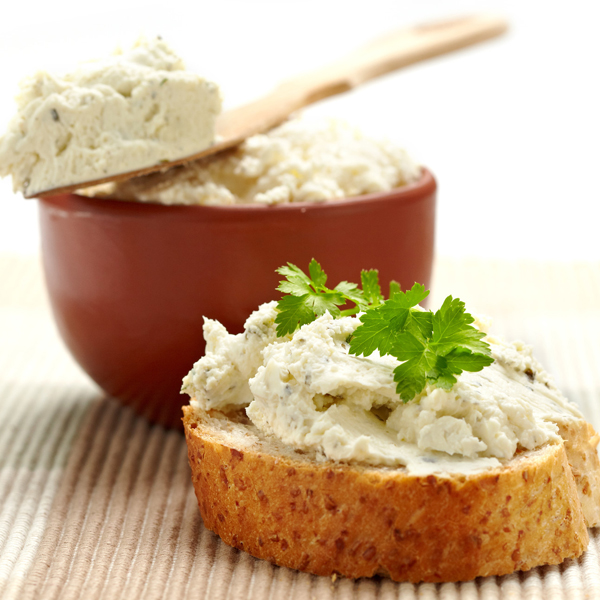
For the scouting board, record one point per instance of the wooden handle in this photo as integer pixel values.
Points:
(393, 51)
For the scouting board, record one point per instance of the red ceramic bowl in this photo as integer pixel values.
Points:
(130, 282)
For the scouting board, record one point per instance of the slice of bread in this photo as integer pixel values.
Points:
(324, 517)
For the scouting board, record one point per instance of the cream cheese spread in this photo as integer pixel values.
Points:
(300, 161)
(308, 391)
(132, 110)
(221, 377)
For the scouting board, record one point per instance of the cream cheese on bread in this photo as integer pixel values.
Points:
(220, 378)
(132, 110)
(309, 392)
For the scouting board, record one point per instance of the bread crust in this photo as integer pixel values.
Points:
(580, 445)
(327, 517)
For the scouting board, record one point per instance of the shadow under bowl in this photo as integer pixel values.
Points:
(130, 282)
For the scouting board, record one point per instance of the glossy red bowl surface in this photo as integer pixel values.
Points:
(129, 283)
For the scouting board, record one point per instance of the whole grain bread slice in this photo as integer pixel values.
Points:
(324, 517)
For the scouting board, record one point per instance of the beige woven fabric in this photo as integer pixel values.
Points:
(96, 503)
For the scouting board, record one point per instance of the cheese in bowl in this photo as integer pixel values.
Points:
(303, 160)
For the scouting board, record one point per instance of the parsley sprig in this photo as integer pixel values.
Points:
(309, 297)
(433, 347)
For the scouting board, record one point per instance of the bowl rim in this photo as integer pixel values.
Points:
(426, 183)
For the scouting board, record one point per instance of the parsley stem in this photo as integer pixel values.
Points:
(349, 312)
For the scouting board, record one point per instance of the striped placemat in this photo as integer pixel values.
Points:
(97, 503)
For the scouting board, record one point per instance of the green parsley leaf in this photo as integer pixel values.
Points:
(411, 376)
(350, 291)
(422, 321)
(370, 285)
(319, 279)
(406, 346)
(293, 310)
(452, 327)
(325, 301)
(297, 283)
(375, 333)
(412, 297)
(462, 359)
(381, 325)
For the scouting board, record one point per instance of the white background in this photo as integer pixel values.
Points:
(510, 128)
